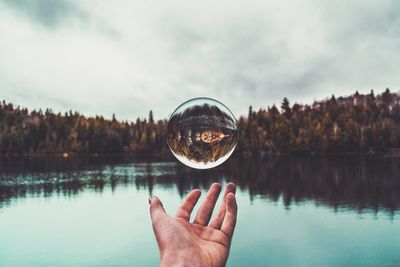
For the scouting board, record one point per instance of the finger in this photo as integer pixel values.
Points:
(217, 222)
(206, 209)
(228, 225)
(158, 215)
(188, 204)
(157, 211)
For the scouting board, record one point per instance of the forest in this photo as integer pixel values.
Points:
(360, 123)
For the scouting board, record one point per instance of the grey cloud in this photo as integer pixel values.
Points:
(49, 13)
(247, 54)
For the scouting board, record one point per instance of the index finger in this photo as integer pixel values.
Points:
(188, 204)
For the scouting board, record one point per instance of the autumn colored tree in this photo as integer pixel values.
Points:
(359, 123)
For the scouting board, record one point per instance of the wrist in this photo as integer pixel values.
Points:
(178, 259)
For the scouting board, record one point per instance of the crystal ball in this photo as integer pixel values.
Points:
(202, 133)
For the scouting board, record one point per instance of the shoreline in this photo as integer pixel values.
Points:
(169, 156)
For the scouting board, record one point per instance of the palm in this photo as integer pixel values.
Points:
(205, 244)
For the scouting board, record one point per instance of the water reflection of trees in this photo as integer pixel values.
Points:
(352, 183)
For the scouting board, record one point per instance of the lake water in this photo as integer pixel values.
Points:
(293, 211)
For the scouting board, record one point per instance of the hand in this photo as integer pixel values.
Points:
(182, 243)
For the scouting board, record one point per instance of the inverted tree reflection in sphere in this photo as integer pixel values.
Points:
(202, 133)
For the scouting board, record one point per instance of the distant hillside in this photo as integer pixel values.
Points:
(356, 124)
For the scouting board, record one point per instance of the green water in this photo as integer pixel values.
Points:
(292, 211)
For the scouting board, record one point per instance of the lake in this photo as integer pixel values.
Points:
(293, 211)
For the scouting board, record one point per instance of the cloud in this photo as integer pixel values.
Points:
(127, 57)
(50, 13)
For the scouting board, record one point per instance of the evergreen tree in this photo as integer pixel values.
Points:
(332, 125)
(286, 108)
(151, 119)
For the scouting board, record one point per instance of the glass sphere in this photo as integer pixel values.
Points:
(202, 133)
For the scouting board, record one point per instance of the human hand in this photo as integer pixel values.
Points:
(182, 243)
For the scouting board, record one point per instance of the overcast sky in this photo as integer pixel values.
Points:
(127, 57)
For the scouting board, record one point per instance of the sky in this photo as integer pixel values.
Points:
(128, 57)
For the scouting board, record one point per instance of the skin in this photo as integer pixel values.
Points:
(197, 243)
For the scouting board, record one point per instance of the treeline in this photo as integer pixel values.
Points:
(359, 123)
(38, 132)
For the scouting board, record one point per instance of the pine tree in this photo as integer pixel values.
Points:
(286, 108)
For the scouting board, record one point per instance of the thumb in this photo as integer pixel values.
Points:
(157, 211)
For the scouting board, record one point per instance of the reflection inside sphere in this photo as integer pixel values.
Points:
(202, 133)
